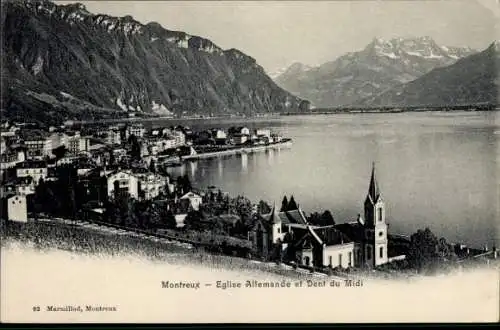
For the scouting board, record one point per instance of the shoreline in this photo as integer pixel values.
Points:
(236, 151)
(270, 116)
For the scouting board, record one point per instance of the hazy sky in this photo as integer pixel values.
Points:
(278, 33)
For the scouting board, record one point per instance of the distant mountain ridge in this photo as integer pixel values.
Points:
(65, 61)
(471, 80)
(380, 66)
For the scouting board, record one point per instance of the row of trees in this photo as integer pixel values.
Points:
(288, 205)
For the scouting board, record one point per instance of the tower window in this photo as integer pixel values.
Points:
(380, 233)
(279, 230)
(379, 214)
(381, 251)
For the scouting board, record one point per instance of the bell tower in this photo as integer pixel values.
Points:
(275, 222)
(375, 226)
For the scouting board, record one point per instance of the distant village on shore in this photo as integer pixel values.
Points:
(117, 177)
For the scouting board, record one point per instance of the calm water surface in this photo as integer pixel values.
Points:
(436, 170)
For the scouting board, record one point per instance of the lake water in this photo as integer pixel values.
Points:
(438, 170)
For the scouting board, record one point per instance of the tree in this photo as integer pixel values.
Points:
(112, 159)
(135, 150)
(445, 250)
(193, 220)
(327, 218)
(423, 252)
(284, 205)
(292, 205)
(184, 184)
(244, 208)
(152, 166)
(169, 220)
(187, 184)
(263, 207)
(59, 152)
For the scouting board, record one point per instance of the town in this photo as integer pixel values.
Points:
(118, 177)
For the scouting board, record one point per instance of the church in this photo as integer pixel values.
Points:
(289, 236)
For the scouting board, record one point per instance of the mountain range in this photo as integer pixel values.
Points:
(63, 61)
(356, 77)
(474, 79)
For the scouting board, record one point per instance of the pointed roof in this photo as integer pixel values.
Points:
(373, 189)
(274, 215)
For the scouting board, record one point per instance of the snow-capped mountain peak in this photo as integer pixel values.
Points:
(381, 65)
(424, 47)
(295, 68)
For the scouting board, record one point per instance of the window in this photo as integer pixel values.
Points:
(279, 230)
(340, 259)
(379, 214)
(380, 233)
(330, 261)
(381, 251)
(349, 258)
(306, 261)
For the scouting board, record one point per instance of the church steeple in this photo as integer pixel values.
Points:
(374, 204)
(373, 189)
(274, 217)
(375, 225)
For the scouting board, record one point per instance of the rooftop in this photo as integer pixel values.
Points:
(32, 164)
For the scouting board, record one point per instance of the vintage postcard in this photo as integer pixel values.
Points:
(250, 161)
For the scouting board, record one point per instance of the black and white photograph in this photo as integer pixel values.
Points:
(250, 161)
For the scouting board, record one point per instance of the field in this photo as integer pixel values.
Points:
(44, 236)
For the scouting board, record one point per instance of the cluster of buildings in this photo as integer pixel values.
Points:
(361, 243)
(100, 155)
(103, 153)
(240, 135)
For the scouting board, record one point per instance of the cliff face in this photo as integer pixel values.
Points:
(75, 63)
(471, 80)
(380, 66)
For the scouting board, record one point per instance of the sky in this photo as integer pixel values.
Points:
(279, 33)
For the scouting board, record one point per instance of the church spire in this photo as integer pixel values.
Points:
(274, 217)
(373, 189)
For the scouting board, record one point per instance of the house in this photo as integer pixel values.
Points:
(113, 136)
(180, 137)
(362, 243)
(3, 145)
(326, 247)
(137, 130)
(124, 181)
(243, 130)
(34, 169)
(263, 132)
(195, 200)
(276, 138)
(220, 134)
(38, 144)
(240, 139)
(151, 185)
(11, 158)
(76, 144)
(19, 186)
(17, 208)
(9, 130)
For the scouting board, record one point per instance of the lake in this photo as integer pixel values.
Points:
(435, 169)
